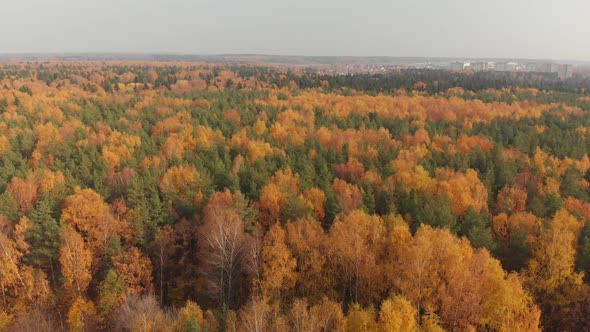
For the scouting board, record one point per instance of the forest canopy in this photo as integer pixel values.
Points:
(162, 196)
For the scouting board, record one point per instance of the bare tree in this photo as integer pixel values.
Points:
(222, 249)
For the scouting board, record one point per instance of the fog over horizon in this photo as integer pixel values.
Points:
(527, 29)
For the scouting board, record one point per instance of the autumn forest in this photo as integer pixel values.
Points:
(169, 196)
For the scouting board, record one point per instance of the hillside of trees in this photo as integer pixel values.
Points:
(162, 196)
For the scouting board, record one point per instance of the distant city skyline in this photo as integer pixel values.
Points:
(524, 29)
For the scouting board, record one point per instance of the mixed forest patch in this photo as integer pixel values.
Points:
(191, 197)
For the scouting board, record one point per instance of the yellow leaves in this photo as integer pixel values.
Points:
(554, 254)
(543, 162)
(5, 321)
(179, 179)
(20, 234)
(359, 319)
(417, 178)
(510, 307)
(259, 127)
(10, 258)
(550, 186)
(272, 201)
(205, 137)
(191, 313)
(49, 180)
(398, 315)
(120, 147)
(257, 149)
(441, 273)
(402, 106)
(278, 264)
(79, 315)
(75, 261)
(4, 144)
(279, 134)
(355, 242)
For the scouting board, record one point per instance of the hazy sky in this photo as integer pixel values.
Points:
(558, 29)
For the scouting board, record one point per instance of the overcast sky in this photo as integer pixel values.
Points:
(556, 29)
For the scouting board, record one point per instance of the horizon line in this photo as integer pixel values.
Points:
(188, 54)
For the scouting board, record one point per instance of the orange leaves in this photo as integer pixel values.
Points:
(336, 138)
(506, 228)
(463, 189)
(466, 144)
(573, 204)
(317, 198)
(353, 169)
(275, 194)
(408, 158)
(420, 137)
(25, 192)
(87, 212)
(136, 270)
(232, 115)
(350, 197)
(511, 199)
(307, 242)
(402, 106)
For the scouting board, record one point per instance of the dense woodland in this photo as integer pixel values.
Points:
(192, 197)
